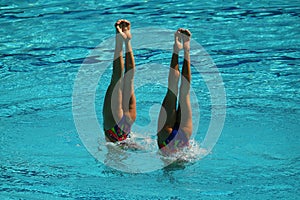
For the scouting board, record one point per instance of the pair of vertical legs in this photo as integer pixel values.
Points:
(120, 102)
(176, 110)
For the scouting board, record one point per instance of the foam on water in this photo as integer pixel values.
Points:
(129, 149)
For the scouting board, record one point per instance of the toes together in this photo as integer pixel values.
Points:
(123, 28)
(122, 24)
(185, 32)
(182, 36)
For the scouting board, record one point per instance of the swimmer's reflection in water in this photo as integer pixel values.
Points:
(175, 117)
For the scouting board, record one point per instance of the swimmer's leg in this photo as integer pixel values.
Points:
(184, 113)
(167, 115)
(128, 99)
(113, 116)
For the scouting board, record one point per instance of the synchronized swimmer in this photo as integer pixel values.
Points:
(175, 121)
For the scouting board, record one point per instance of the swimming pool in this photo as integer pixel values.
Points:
(255, 45)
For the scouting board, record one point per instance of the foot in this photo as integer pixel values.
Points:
(186, 37)
(123, 28)
(177, 42)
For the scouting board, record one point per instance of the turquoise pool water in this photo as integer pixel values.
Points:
(255, 45)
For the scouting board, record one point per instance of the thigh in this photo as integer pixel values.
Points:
(112, 108)
(167, 116)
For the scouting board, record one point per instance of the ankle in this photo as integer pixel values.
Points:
(176, 49)
(128, 46)
(186, 49)
(187, 54)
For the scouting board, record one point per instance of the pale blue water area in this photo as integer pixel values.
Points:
(254, 44)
